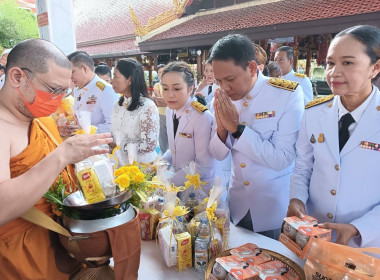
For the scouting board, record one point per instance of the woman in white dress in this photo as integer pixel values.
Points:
(135, 117)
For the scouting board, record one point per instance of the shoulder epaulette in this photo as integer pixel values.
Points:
(299, 75)
(100, 85)
(318, 101)
(284, 84)
(198, 106)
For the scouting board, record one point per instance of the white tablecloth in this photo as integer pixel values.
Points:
(153, 267)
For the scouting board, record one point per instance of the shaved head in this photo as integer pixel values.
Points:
(35, 55)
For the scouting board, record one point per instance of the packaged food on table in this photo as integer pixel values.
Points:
(297, 234)
(328, 260)
(238, 267)
(168, 246)
(275, 270)
(185, 259)
(145, 225)
(251, 254)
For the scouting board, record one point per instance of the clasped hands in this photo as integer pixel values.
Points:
(344, 231)
(226, 114)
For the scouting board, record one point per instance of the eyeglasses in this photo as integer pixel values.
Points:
(55, 92)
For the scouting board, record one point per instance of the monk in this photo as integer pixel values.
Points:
(37, 76)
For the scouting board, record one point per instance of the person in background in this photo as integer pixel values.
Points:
(284, 57)
(90, 93)
(104, 72)
(33, 156)
(376, 81)
(207, 87)
(335, 178)
(135, 118)
(272, 70)
(2, 75)
(3, 64)
(160, 102)
(189, 125)
(260, 57)
(257, 120)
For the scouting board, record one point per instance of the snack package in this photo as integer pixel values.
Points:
(238, 267)
(145, 226)
(217, 218)
(155, 216)
(297, 234)
(89, 183)
(328, 260)
(184, 252)
(275, 270)
(171, 223)
(65, 113)
(251, 254)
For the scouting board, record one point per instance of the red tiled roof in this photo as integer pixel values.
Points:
(114, 47)
(286, 11)
(100, 19)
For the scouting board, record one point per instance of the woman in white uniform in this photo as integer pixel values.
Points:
(336, 171)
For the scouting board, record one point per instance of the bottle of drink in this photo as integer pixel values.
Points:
(201, 246)
(191, 202)
(179, 225)
(160, 205)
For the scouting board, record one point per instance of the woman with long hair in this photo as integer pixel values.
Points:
(135, 118)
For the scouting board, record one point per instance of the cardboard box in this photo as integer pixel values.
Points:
(251, 254)
(185, 257)
(238, 267)
(275, 270)
(168, 249)
(297, 234)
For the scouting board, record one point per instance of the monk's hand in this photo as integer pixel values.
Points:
(296, 208)
(80, 147)
(344, 231)
(227, 112)
(67, 130)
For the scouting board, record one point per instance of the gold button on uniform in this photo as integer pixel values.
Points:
(329, 105)
(243, 123)
(245, 104)
(378, 108)
(246, 183)
(242, 165)
(329, 215)
(337, 167)
(248, 97)
(333, 192)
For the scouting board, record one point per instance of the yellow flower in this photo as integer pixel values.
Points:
(123, 181)
(139, 177)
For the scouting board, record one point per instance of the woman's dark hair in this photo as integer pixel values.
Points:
(180, 67)
(369, 36)
(103, 69)
(129, 67)
(272, 70)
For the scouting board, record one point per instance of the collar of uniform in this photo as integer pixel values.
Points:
(91, 83)
(183, 110)
(290, 74)
(358, 112)
(261, 80)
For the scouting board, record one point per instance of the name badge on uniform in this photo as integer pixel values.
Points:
(264, 115)
(185, 135)
(370, 146)
(91, 100)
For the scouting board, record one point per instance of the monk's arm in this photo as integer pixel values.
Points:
(18, 194)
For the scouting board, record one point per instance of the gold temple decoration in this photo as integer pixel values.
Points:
(161, 19)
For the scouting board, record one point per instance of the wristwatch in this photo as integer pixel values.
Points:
(239, 131)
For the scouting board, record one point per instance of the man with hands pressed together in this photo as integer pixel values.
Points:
(257, 119)
(32, 156)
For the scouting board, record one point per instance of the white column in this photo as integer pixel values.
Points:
(55, 23)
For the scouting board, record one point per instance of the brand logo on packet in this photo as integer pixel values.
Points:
(185, 242)
(86, 176)
(320, 276)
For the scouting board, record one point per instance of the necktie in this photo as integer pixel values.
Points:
(175, 124)
(209, 90)
(344, 123)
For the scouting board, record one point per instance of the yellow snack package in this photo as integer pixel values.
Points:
(90, 185)
(184, 251)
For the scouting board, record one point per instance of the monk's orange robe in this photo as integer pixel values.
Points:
(25, 248)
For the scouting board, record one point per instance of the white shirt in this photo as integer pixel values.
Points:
(2, 80)
(304, 82)
(98, 97)
(140, 126)
(356, 114)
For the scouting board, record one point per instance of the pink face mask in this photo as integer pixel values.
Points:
(44, 105)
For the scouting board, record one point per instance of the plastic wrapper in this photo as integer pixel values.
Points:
(193, 188)
(217, 215)
(65, 113)
(328, 260)
(170, 226)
